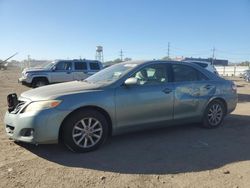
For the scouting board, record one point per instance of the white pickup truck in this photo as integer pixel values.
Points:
(60, 71)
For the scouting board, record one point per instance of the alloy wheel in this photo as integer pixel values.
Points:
(215, 114)
(87, 132)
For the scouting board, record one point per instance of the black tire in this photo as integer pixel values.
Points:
(207, 121)
(69, 128)
(38, 82)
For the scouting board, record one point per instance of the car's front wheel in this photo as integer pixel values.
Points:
(214, 114)
(85, 130)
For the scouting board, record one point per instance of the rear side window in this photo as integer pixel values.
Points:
(79, 65)
(94, 66)
(184, 73)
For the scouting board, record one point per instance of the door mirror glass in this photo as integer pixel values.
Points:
(131, 81)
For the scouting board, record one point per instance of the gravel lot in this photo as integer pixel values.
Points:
(181, 156)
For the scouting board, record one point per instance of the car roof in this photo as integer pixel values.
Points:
(195, 61)
(73, 60)
(141, 62)
(147, 62)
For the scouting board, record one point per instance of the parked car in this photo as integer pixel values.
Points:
(205, 65)
(247, 76)
(244, 74)
(124, 97)
(60, 71)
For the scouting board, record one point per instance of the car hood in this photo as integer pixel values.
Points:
(57, 90)
(30, 70)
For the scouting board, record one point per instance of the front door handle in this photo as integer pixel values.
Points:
(167, 90)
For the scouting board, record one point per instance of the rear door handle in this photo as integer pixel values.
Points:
(167, 90)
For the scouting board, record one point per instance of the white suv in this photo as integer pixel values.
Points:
(205, 65)
(60, 71)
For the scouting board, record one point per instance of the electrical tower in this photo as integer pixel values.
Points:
(99, 54)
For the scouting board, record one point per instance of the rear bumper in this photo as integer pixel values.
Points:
(232, 103)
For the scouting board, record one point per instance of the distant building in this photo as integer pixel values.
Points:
(220, 62)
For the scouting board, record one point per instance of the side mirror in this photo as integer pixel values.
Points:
(131, 81)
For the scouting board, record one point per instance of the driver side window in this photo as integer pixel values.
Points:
(152, 75)
(64, 65)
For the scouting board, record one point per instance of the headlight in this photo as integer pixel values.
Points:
(26, 75)
(42, 105)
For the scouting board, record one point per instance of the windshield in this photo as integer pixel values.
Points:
(49, 66)
(111, 74)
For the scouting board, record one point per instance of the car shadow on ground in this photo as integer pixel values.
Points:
(171, 150)
(243, 98)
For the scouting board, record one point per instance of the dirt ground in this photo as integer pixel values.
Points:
(180, 156)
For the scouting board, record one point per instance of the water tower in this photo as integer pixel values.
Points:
(99, 53)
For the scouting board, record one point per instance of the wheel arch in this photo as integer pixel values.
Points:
(40, 77)
(221, 100)
(89, 107)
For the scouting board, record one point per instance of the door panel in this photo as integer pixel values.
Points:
(186, 103)
(207, 91)
(62, 72)
(140, 105)
(147, 102)
(80, 75)
(187, 91)
(80, 70)
(61, 76)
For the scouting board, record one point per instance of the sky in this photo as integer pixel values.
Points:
(70, 29)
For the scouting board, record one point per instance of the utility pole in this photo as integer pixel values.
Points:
(168, 50)
(28, 63)
(121, 55)
(213, 56)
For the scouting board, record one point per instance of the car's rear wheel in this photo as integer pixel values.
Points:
(214, 114)
(85, 131)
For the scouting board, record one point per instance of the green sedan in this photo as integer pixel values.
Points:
(128, 96)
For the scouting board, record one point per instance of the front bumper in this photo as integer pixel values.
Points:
(36, 128)
(24, 81)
